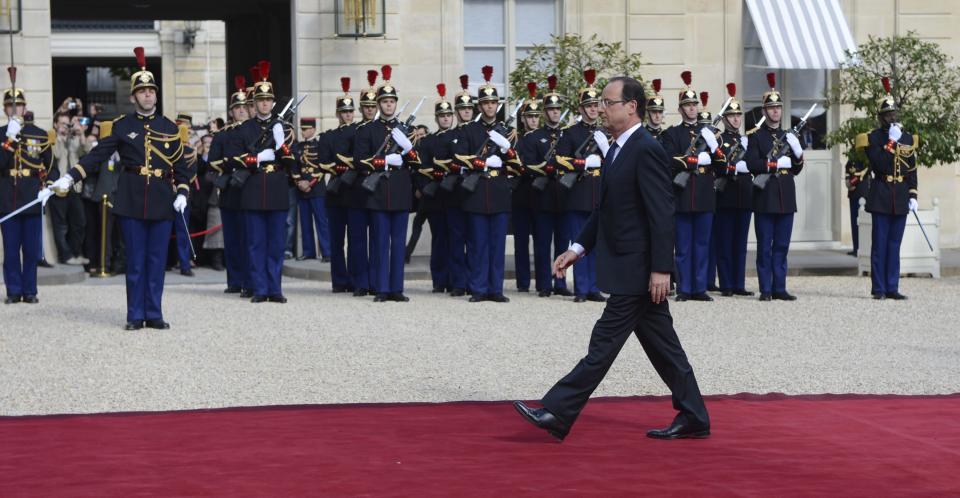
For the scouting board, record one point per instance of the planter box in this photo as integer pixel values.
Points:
(916, 258)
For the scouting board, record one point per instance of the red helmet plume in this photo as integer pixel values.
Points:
(732, 89)
(552, 82)
(656, 85)
(532, 89)
(703, 98)
(240, 82)
(372, 77)
(255, 74)
(386, 71)
(886, 83)
(345, 84)
(464, 81)
(590, 75)
(264, 67)
(441, 90)
(141, 57)
(772, 80)
(487, 73)
(687, 77)
(12, 71)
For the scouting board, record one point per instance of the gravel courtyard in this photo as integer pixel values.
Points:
(69, 354)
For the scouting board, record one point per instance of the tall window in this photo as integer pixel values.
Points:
(800, 89)
(498, 32)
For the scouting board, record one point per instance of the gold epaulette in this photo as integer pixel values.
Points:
(345, 160)
(565, 161)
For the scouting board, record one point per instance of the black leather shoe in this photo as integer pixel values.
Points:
(277, 299)
(341, 290)
(580, 299)
(245, 293)
(498, 298)
(325, 259)
(301, 258)
(231, 290)
(258, 299)
(458, 293)
(596, 297)
(543, 293)
(766, 297)
(360, 292)
(784, 296)
(439, 290)
(712, 288)
(398, 297)
(523, 289)
(44, 264)
(133, 326)
(543, 419)
(680, 430)
(852, 253)
(562, 292)
(477, 298)
(879, 296)
(700, 297)
(742, 292)
(682, 297)
(34, 300)
(187, 273)
(890, 295)
(381, 298)
(12, 299)
(156, 324)
(726, 293)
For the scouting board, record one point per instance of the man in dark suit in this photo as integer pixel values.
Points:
(631, 233)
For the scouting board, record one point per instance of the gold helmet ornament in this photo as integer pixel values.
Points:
(552, 100)
(386, 89)
(463, 98)
(735, 106)
(345, 101)
(886, 103)
(442, 106)
(263, 89)
(532, 106)
(254, 78)
(655, 100)
(487, 91)
(239, 97)
(141, 78)
(687, 94)
(589, 94)
(772, 98)
(704, 116)
(368, 96)
(13, 95)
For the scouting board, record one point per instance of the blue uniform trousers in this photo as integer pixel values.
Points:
(731, 229)
(487, 252)
(522, 230)
(235, 248)
(548, 228)
(313, 212)
(266, 242)
(457, 240)
(773, 242)
(439, 250)
(585, 269)
(146, 249)
(885, 252)
(338, 259)
(692, 251)
(358, 255)
(21, 235)
(388, 247)
(712, 254)
(183, 239)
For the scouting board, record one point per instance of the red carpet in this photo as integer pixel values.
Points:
(770, 445)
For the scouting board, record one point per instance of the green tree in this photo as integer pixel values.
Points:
(926, 87)
(567, 57)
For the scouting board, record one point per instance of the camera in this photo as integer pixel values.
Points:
(85, 121)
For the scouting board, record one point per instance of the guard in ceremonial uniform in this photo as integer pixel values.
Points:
(537, 152)
(25, 172)
(465, 105)
(267, 157)
(694, 194)
(775, 204)
(311, 190)
(335, 154)
(893, 194)
(522, 209)
(734, 186)
(857, 181)
(152, 191)
(383, 150)
(485, 149)
(654, 121)
(223, 149)
(181, 229)
(358, 217)
(578, 157)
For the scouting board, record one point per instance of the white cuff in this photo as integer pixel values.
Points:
(577, 248)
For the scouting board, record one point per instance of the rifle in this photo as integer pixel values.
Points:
(698, 145)
(470, 182)
(389, 146)
(588, 147)
(240, 175)
(780, 148)
(735, 155)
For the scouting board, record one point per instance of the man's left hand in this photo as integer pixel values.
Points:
(659, 286)
(913, 204)
(180, 203)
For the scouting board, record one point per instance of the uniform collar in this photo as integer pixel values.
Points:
(147, 117)
(688, 125)
(771, 128)
(264, 121)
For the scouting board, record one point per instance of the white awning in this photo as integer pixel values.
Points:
(801, 34)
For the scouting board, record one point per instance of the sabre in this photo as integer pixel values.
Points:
(187, 228)
(20, 210)
(923, 231)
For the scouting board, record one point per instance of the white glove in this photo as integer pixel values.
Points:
(266, 155)
(914, 205)
(63, 183)
(592, 161)
(784, 163)
(744, 141)
(394, 160)
(494, 162)
(278, 136)
(501, 141)
(894, 134)
(795, 145)
(710, 138)
(45, 194)
(401, 139)
(180, 203)
(13, 128)
(602, 143)
(742, 167)
(703, 159)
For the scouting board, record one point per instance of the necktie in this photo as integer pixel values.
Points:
(612, 153)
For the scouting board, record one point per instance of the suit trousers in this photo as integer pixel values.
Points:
(653, 326)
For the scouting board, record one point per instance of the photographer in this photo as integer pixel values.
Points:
(66, 210)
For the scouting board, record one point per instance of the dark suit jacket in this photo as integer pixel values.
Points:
(631, 231)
